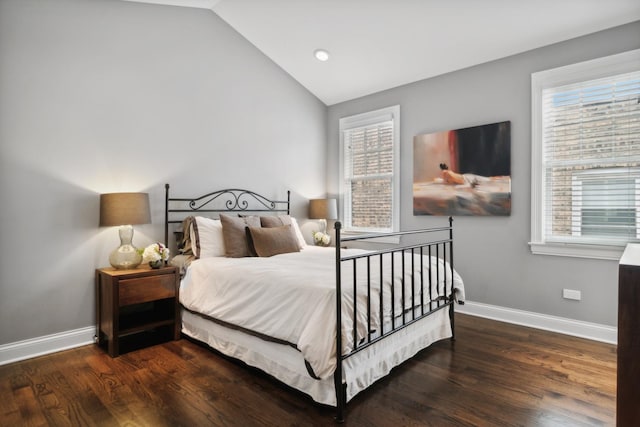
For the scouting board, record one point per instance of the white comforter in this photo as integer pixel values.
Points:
(291, 297)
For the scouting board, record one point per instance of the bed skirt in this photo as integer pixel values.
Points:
(286, 364)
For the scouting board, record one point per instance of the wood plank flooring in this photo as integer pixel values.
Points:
(494, 374)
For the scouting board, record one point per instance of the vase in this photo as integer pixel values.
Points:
(125, 256)
(156, 264)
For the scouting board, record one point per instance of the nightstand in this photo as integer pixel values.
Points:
(136, 308)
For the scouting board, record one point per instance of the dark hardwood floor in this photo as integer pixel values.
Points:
(495, 374)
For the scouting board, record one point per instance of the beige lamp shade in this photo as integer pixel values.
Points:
(323, 209)
(124, 209)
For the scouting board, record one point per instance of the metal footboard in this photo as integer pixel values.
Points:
(418, 288)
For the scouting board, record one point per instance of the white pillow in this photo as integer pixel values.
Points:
(206, 237)
(301, 242)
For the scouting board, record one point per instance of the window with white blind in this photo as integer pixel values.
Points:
(369, 172)
(586, 158)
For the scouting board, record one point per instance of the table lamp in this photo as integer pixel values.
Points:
(323, 209)
(124, 210)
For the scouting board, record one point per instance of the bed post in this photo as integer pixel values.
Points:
(452, 296)
(166, 215)
(288, 202)
(341, 392)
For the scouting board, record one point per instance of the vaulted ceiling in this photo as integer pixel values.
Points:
(375, 45)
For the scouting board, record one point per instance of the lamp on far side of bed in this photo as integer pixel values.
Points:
(323, 209)
(124, 210)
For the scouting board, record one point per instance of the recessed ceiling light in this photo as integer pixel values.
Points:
(321, 54)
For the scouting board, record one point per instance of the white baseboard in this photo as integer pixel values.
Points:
(33, 347)
(577, 328)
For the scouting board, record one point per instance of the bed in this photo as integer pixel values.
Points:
(255, 291)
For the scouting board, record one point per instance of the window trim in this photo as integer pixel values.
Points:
(583, 71)
(391, 113)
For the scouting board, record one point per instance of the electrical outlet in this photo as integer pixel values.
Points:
(571, 294)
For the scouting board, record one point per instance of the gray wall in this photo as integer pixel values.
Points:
(492, 253)
(102, 96)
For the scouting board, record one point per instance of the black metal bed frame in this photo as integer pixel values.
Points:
(239, 200)
(232, 199)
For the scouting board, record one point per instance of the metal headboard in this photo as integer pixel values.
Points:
(228, 200)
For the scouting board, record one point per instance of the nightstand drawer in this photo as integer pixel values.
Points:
(135, 291)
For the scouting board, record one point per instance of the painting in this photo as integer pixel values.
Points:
(463, 171)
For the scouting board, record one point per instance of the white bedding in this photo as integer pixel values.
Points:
(291, 297)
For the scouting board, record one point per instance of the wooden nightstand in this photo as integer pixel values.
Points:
(136, 308)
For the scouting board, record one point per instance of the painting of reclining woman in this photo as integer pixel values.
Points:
(463, 172)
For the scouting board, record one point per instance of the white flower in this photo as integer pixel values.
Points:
(155, 252)
(321, 239)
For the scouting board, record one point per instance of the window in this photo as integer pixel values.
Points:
(369, 172)
(586, 157)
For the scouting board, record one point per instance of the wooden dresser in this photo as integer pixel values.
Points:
(628, 405)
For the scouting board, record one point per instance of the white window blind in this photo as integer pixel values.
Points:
(589, 161)
(605, 204)
(369, 175)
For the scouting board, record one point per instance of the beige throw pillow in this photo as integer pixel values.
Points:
(234, 234)
(273, 241)
(277, 221)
